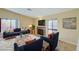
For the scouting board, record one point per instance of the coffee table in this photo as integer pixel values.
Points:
(27, 40)
(30, 38)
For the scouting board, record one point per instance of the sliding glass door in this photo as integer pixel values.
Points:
(7, 24)
(13, 24)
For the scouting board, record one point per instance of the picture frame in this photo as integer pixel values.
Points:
(69, 23)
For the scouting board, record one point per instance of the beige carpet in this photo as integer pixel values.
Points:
(7, 45)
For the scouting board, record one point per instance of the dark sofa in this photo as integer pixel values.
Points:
(15, 33)
(10, 34)
(35, 46)
(53, 42)
(38, 45)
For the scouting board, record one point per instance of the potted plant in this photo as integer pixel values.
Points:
(33, 28)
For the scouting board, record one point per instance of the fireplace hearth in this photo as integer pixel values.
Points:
(40, 31)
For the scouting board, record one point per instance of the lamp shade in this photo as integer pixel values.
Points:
(30, 26)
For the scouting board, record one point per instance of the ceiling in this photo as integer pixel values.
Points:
(37, 12)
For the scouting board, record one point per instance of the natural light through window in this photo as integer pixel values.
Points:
(52, 25)
(7, 24)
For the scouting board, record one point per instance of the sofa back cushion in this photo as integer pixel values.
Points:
(17, 30)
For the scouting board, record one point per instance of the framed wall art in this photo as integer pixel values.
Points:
(69, 23)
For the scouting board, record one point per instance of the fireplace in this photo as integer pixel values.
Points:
(40, 31)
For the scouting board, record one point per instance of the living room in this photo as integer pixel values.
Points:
(68, 37)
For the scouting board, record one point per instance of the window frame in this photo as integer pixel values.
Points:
(52, 25)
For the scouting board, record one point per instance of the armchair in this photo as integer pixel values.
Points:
(53, 41)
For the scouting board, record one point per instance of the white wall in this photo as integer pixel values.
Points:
(67, 35)
(78, 45)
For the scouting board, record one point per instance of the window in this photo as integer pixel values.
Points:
(7, 24)
(13, 24)
(52, 25)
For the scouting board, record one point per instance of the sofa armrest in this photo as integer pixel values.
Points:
(16, 48)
